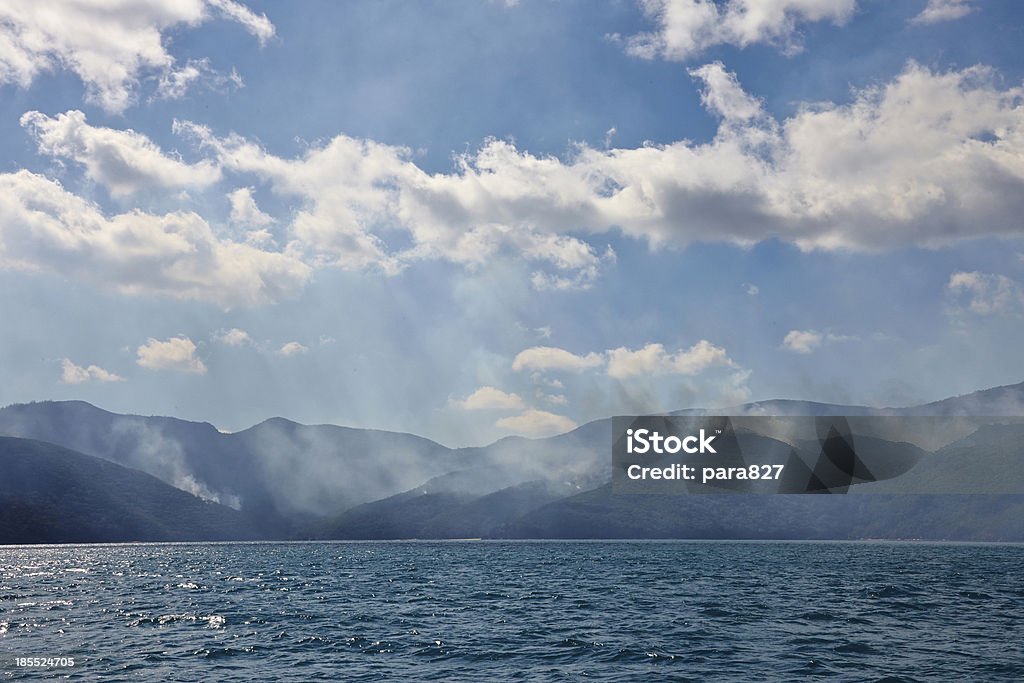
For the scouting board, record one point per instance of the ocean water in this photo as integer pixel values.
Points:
(493, 611)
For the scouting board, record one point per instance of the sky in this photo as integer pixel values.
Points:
(472, 219)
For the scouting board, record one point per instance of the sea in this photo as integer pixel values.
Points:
(513, 611)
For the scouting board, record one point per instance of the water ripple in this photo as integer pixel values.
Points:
(516, 611)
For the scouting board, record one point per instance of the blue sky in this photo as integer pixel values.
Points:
(474, 219)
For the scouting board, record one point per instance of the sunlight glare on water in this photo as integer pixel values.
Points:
(606, 611)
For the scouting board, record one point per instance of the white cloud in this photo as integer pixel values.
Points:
(76, 374)
(927, 159)
(175, 83)
(986, 293)
(356, 188)
(554, 399)
(752, 290)
(256, 24)
(609, 135)
(943, 10)
(43, 227)
(687, 27)
(723, 94)
(553, 358)
(577, 263)
(293, 348)
(244, 210)
(346, 183)
(653, 360)
(808, 341)
(490, 398)
(110, 48)
(802, 341)
(177, 354)
(233, 337)
(536, 423)
(538, 378)
(121, 160)
(247, 215)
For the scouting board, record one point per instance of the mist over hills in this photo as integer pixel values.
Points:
(49, 494)
(277, 472)
(282, 475)
(281, 479)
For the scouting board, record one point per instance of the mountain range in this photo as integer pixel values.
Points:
(76, 473)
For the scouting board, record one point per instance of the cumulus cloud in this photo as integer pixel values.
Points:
(653, 360)
(802, 341)
(648, 362)
(686, 28)
(356, 189)
(536, 423)
(345, 182)
(233, 337)
(109, 49)
(490, 398)
(43, 227)
(926, 159)
(937, 11)
(76, 374)
(177, 354)
(244, 210)
(751, 290)
(121, 160)
(553, 358)
(293, 348)
(808, 341)
(985, 293)
(723, 94)
(246, 214)
(573, 274)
